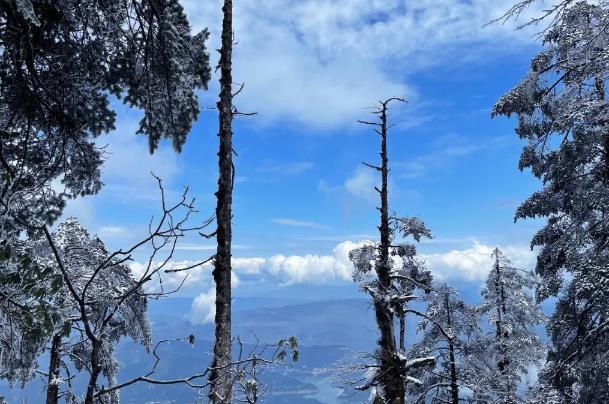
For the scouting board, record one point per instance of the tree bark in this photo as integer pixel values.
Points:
(95, 371)
(220, 377)
(392, 372)
(454, 386)
(54, 364)
(402, 318)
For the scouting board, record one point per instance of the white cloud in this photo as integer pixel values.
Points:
(248, 266)
(299, 223)
(203, 308)
(198, 277)
(319, 62)
(362, 183)
(469, 264)
(132, 179)
(474, 264)
(314, 268)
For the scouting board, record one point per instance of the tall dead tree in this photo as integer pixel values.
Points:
(390, 273)
(220, 377)
(391, 373)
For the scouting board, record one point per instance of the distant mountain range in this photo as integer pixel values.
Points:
(332, 323)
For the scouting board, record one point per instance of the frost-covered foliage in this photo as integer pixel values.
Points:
(48, 305)
(499, 359)
(111, 304)
(562, 111)
(60, 63)
(447, 326)
(406, 271)
(28, 313)
(407, 277)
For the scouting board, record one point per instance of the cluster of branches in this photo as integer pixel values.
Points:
(454, 359)
(458, 357)
(562, 111)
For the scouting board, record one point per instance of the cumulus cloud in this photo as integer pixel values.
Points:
(310, 268)
(474, 264)
(203, 308)
(327, 59)
(197, 277)
(469, 264)
(361, 184)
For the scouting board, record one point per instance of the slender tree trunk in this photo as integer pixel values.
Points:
(499, 323)
(402, 317)
(54, 364)
(220, 377)
(454, 386)
(391, 370)
(95, 371)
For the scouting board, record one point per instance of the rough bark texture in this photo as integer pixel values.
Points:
(391, 372)
(54, 363)
(95, 371)
(402, 317)
(220, 377)
(454, 386)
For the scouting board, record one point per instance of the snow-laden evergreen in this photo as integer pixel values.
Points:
(447, 327)
(502, 355)
(562, 110)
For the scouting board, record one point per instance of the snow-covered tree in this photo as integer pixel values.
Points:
(562, 110)
(500, 358)
(110, 304)
(390, 273)
(60, 62)
(28, 313)
(95, 300)
(447, 325)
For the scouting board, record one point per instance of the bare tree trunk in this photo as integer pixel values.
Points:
(402, 318)
(54, 364)
(392, 372)
(454, 386)
(95, 371)
(220, 377)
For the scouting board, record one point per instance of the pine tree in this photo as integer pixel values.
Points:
(60, 64)
(448, 325)
(390, 286)
(562, 110)
(94, 300)
(513, 345)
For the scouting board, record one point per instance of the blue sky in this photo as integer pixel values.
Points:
(302, 197)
